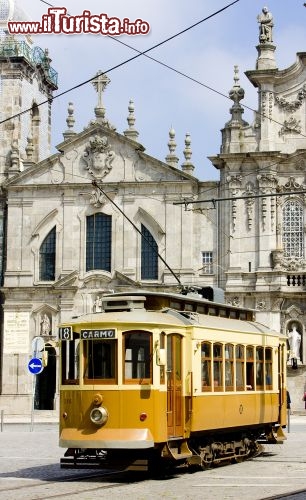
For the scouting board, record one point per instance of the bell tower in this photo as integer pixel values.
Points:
(27, 82)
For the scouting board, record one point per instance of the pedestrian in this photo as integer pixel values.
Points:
(304, 399)
(288, 401)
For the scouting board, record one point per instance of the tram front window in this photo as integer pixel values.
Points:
(70, 362)
(100, 360)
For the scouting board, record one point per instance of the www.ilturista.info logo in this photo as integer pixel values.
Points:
(57, 21)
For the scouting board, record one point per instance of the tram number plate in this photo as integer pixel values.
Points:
(66, 333)
(98, 334)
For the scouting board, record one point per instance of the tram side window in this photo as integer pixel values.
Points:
(239, 367)
(259, 368)
(162, 368)
(229, 367)
(218, 367)
(137, 357)
(70, 361)
(268, 368)
(206, 366)
(100, 360)
(250, 382)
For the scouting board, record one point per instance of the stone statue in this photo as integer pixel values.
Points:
(45, 326)
(98, 304)
(294, 339)
(266, 24)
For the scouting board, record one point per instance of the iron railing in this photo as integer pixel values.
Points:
(13, 48)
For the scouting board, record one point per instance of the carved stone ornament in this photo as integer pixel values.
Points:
(97, 199)
(99, 157)
(291, 126)
(292, 264)
(292, 185)
(292, 105)
(261, 305)
(249, 203)
(300, 164)
(234, 301)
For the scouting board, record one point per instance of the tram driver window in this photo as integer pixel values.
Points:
(137, 357)
(100, 360)
(70, 361)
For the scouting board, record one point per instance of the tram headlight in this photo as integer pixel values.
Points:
(99, 416)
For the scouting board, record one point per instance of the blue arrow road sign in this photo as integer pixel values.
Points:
(35, 366)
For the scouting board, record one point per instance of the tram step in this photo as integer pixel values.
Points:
(178, 450)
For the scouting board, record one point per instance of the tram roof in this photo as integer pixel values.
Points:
(169, 317)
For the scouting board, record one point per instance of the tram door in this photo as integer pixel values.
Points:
(174, 386)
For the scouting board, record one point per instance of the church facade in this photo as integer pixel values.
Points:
(102, 215)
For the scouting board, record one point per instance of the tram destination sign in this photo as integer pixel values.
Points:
(98, 334)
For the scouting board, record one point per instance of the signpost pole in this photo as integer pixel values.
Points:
(33, 402)
(35, 367)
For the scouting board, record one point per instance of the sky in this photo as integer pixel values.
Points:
(162, 98)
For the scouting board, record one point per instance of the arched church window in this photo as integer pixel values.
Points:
(47, 254)
(149, 255)
(98, 242)
(293, 234)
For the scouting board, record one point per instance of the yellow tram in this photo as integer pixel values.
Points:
(166, 378)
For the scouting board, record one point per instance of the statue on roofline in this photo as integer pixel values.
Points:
(265, 20)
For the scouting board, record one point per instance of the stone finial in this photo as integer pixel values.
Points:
(131, 132)
(100, 83)
(171, 158)
(236, 94)
(70, 120)
(15, 157)
(187, 166)
(29, 148)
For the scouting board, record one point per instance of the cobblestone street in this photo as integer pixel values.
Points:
(29, 464)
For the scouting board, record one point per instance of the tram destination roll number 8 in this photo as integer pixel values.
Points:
(66, 333)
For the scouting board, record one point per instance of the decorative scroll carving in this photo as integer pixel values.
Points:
(291, 264)
(267, 184)
(267, 101)
(292, 105)
(261, 305)
(263, 105)
(273, 211)
(234, 301)
(292, 185)
(97, 198)
(234, 184)
(99, 157)
(249, 204)
(294, 264)
(291, 125)
(300, 164)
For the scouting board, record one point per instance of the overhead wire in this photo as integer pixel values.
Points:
(145, 53)
(139, 53)
(187, 76)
